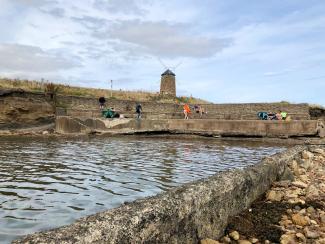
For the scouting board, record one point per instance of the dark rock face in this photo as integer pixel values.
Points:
(185, 214)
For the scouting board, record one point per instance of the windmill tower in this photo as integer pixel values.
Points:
(168, 83)
(168, 80)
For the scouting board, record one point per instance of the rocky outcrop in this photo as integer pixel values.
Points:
(22, 110)
(292, 211)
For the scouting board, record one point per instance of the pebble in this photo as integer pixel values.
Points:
(307, 155)
(244, 242)
(274, 196)
(299, 184)
(299, 219)
(226, 239)
(253, 240)
(234, 235)
(301, 236)
(310, 209)
(209, 241)
(311, 234)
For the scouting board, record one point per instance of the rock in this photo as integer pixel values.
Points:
(313, 222)
(318, 151)
(45, 132)
(311, 234)
(302, 211)
(209, 241)
(307, 155)
(274, 196)
(322, 218)
(283, 183)
(304, 178)
(299, 184)
(287, 223)
(294, 166)
(253, 240)
(287, 239)
(312, 192)
(320, 241)
(301, 237)
(226, 239)
(244, 242)
(287, 175)
(234, 235)
(298, 219)
(310, 209)
(307, 164)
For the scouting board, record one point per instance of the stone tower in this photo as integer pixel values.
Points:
(168, 83)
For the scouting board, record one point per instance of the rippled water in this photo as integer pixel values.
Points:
(49, 183)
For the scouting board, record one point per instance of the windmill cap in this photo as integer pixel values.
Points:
(168, 72)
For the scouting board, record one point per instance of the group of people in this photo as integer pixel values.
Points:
(111, 113)
(197, 109)
(281, 115)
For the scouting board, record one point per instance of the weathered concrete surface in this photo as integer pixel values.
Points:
(68, 125)
(214, 127)
(185, 214)
(247, 127)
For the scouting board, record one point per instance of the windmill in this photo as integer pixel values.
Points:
(168, 80)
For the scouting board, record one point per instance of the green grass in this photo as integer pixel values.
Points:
(41, 86)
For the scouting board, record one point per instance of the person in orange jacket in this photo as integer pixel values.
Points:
(187, 111)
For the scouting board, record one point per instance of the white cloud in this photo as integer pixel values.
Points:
(120, 6)
(31, 59)
(165, 40)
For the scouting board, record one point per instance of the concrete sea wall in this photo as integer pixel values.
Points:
(249, 128)
(185, 214)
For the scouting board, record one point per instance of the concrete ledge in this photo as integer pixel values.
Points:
(185, 214)
(248, 128)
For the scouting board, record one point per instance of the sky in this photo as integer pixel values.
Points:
(223, 51)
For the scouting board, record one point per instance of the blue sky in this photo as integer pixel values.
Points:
(229, 51)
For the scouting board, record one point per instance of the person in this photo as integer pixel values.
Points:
(283, 115)
(201, 111)
(278, 116)
(196, 108)
(262, 115)
(110, 113)
(138, 110)
(187, 111)
(271, 116)
(102, 102)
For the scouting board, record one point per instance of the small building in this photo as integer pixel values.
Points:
(168, 83)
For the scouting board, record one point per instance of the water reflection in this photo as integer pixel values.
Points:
(50, 183)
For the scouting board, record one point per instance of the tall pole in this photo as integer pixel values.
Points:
(111, 88)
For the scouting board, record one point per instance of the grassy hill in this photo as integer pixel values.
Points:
(39, 86)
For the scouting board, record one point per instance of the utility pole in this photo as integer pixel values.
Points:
(111, 88)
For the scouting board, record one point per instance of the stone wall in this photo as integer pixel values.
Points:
(81, 106)
(185, 214)
(19, 109)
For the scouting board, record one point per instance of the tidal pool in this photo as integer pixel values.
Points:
(46, 183)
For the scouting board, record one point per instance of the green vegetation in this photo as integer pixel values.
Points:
(49, 87)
